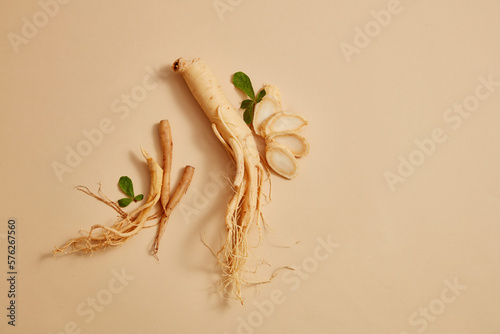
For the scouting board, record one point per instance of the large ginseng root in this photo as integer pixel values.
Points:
(243, 210)
(129, 224)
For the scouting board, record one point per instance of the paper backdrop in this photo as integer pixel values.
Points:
(392, 225)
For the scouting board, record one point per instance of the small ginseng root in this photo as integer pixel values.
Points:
(243, 209)
(128, 225)
(168, 203)
(166, 147)
(280, 131)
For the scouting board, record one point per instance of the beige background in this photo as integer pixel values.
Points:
(394, 254)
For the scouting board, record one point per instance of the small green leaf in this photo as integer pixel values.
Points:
(242, 81)
(138, 198)
(261, 94)
(248, 115)
(246, 103)
(124, 202)
(126, 186)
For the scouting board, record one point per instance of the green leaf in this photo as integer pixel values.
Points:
(242, 81)
(261, 94)
(248, 115)
(138, 198)
(124, 202)
(246, 103)
(126, 186)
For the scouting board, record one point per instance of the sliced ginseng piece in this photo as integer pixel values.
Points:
(263, 110)
(282, 122)
(275, 93)
(281, 160)
(296, 143)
